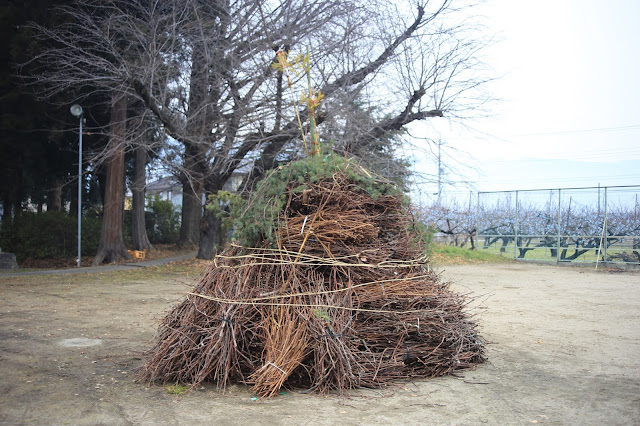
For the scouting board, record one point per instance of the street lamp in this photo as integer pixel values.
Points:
(76, 110)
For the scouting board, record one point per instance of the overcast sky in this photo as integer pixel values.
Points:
(569, 110)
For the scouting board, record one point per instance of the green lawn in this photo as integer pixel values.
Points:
(544, 253)
(441, 254)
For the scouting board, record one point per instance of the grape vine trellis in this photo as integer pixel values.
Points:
(597, 224)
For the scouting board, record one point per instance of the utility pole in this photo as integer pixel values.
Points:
(469, 224)
(440, 171)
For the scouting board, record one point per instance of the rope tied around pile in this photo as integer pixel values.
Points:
(269, 363)
(343, 297)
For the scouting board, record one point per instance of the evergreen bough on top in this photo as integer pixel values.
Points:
(258, 221)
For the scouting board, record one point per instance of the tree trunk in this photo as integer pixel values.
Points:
(191, 213)
(138, 226)
(197, 119)
(111, 247)
(54, 195)
(212, 238)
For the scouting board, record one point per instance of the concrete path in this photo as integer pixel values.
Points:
(103, 268)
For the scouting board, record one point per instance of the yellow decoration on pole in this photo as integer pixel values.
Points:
(310, 98)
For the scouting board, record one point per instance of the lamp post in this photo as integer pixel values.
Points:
(76, 110)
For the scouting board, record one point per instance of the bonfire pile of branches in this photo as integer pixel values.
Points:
(344, 299)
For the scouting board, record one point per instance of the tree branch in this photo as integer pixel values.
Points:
(358, 75)
(150, 102)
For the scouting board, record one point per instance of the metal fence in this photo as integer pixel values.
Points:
(596, 224)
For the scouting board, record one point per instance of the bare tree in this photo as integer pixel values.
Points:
(138, 223)
(143, 136)
(111, 247)
(204, 70)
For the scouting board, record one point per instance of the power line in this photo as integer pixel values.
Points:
(630, 155)
(572, 132)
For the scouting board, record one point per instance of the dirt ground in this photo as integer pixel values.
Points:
(563, 347)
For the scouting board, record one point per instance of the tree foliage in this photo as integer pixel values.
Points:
(36, 157)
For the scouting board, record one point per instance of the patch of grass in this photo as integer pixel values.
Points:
(185, 270)
(449, 255)
(177, 389)
(182, 270)
(13, 271)
(545, 253)
(189, 267)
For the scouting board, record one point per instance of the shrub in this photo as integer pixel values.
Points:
(163, 224)
(49, 235)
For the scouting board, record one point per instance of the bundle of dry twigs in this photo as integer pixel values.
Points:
(346, 300)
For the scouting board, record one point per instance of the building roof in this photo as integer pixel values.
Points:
(163, 184)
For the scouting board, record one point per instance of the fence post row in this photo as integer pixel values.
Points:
(515, 237)
(559, 224)
(605, 225)
(478, 221)
(487, 226)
